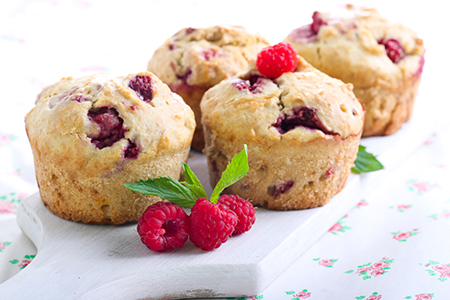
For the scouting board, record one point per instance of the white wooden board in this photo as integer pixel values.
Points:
(79, 261)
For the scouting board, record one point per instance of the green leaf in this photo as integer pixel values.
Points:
(166, 188)
(14, 261)
(349, 271)
(193, 183)
(236, 169)
(366, 162)
(366, 277)
(290, 292)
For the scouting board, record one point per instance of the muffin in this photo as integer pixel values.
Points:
(382, 60)
(302, 130)
(195, 59)
(91, 135)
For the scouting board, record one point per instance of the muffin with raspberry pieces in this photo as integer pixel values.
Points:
(91, 135)
(382, 60)
(302, 129)
(195, 59)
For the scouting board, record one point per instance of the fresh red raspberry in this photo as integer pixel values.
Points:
(211, 224)
(275, 60)
(394, 50)
(243, 209)
(163, 226)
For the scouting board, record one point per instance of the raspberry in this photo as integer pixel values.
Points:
(211, 53)
(317, 22)
(277, 190)
(275, 60)
(394, 50)
(110, 124)
(254, 84)
(211, 224)
(142, 85)
(243, 209)
(163, 226)
(131, 151)
(300, 116)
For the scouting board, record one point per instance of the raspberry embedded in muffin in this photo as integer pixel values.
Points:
(142, 85)
(110, 127)
(300, 116)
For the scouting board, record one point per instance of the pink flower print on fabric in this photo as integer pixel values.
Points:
(424, 296)
(6, 139)
(7, 207)
(374, 296)
(22, 196)
(428, 142)
(362, 203)
(421, 187)
(326, 263)
(25, 262)
(403, 207)
(339, 227)
(445, 215)
(435, 268)
(4, 245)
(403, 236)
(300, 295)
(370, 270)
(443, 270)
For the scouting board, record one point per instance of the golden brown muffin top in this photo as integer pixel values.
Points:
(205, 56)
(300, 105)
(357, 45)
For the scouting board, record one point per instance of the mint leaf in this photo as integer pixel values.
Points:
(166, 188)
(193, 183)
(236, 169)
(366, 162)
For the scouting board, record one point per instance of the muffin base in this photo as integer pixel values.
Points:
(387, 107)
(289, 175)
(101, 200)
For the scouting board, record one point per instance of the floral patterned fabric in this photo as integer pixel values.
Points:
(393, 245)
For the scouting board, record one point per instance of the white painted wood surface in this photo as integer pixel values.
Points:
(79, 261)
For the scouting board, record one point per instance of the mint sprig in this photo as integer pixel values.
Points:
(366, 162)
(187, 192)
(236, 169)
(166, 188)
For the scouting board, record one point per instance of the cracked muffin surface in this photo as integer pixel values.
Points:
(91, 135)
(382, 60)
(195, 59)
(302, 130)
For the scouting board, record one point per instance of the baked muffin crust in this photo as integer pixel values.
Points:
(91, 135)
(381, 59)
(302, 131)
(195, 59)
